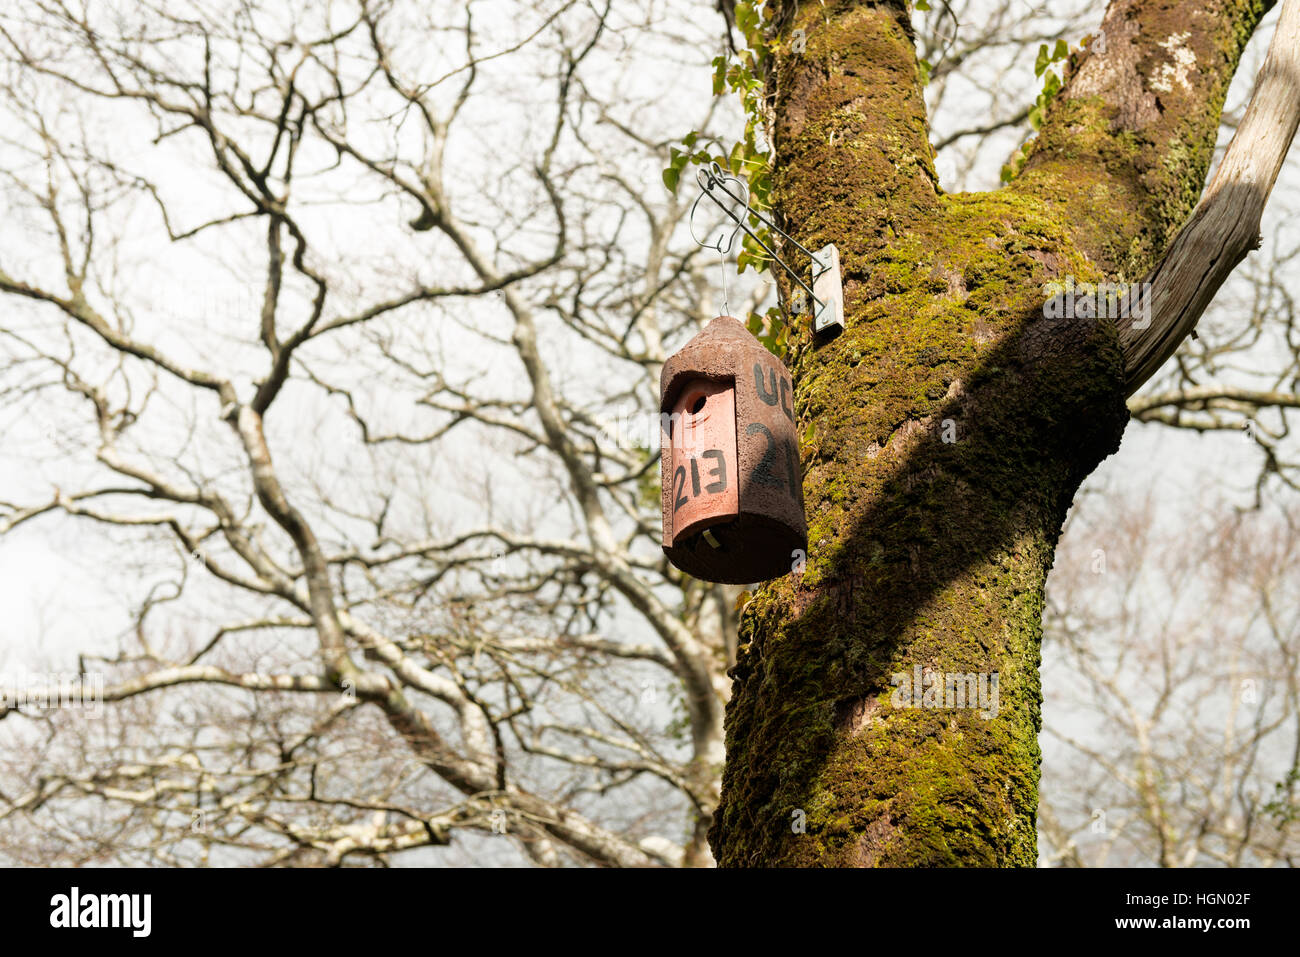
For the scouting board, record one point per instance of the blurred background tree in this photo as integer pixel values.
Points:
(330, 346)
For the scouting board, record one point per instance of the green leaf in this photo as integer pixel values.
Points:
(1062, 50)
(774, 338)
(925, 71)
(746, 17)
(1041, 62)
(922, 5)
(752, 253)
(736, 161)
(671, 176)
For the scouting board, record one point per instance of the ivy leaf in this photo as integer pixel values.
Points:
(751, 252)
(736, 161)
(671, 176)
(1041, 62)
(742, 599)
(746, 17)
(1045, 59)
(773, 339)
(1014, 165)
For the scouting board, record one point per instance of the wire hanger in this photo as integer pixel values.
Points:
(828, 309)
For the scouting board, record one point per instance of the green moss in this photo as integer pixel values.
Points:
(920, 551)
(1134, 179)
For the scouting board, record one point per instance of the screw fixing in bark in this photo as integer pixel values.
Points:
(732, 494)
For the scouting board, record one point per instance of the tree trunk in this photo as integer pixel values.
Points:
(945, 431)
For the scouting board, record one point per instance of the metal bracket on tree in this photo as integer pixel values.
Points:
(826, 291)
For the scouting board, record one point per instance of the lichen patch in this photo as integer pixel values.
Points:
(1182, 60)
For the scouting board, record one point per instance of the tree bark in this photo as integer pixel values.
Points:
(945, 431)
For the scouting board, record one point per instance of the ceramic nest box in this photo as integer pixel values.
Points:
(729, 463)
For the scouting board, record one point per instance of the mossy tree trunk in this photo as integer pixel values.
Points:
(945, 431)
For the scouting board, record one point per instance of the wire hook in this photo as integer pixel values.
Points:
(711, 178)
